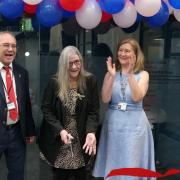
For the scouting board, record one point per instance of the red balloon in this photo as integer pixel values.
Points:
(102, 28)
(105, 17)
(30, 9)
(71, 5)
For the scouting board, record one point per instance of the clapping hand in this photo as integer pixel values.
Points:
(111, 66)
(132, 60)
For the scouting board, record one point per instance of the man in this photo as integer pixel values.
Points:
(16, 122)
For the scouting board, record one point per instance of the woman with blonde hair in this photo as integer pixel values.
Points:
(126, 139)
(70, 117)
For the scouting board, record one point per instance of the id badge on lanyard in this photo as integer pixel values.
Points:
(122, 106)
(10, 106)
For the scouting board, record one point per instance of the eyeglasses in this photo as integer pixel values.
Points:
(76, 63)
(7, 46)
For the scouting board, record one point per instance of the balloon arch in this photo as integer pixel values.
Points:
(89, 14)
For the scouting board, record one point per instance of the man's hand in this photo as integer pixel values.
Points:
(30, 140)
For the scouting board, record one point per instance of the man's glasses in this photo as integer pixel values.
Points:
(7, 46)
(76, 63)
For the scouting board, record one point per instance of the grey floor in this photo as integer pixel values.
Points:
(169, 154)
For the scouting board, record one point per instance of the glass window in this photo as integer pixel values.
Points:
(162, 54)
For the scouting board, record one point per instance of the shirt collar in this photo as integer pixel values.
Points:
(2, 65)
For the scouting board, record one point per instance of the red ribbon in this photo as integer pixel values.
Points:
(141, 172)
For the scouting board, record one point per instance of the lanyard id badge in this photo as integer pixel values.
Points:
(10, 106)
(122, 106)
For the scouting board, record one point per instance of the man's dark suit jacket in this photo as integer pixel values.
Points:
(87, 111)
(23, 99)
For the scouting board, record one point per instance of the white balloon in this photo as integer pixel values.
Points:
(126, 17)
(147, 7)
(177, 14)
(32, 2)
(89, 15)
(171, 9)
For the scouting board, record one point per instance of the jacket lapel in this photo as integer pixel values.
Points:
(80, 103)
(17, 77)
(2, 89)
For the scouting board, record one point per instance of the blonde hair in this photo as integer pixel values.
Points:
(63, 73)
(139, 64)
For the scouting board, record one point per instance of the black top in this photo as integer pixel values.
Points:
(54, 117)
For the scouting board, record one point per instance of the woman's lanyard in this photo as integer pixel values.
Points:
(123, 83)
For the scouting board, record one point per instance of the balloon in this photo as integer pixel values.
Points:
(37, 26)
(49, 13)
(11, 8)
(71, 27)
(67, 14)
(64, 19)
(132, 1)
(147, 7)
(131, 29)
(169, 6)
(126, 17)
(139, 17)
(71, 5)
(105, 17)
(30, 9)
(89, 15)
(177, 14)
(112, 6)
(160, 18)
(32, 2)
(102, 28)
(175, 4)
(11, 22)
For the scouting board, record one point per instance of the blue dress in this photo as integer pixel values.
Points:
(126, 139)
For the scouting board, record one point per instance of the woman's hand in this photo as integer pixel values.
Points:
(132, 61)
(65, 137)
(90, 144)
(111, 67)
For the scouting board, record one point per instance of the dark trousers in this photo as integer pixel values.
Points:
(13, 147)
(64, 174)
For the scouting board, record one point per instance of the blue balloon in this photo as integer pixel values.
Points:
(160, 18)
(11, 21)
(11, 8)
(49, 13)
(139, 17)
(132, 1)
(131, 29)
(112, 6)
(175, 4)
(37, 26)
(67, 14)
